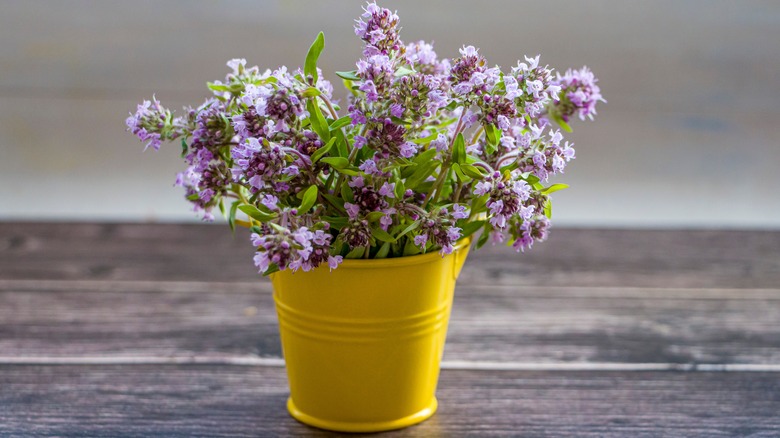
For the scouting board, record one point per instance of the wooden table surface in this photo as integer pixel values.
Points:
(166, 330)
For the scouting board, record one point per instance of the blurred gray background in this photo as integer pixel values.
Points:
(689, 137)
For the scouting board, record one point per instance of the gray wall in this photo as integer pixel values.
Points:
(689, 137)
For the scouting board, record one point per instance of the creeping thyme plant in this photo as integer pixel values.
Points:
(426, 151)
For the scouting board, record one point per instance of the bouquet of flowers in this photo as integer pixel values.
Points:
(425, 152)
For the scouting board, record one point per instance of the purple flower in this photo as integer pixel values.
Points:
(531, 86)
(257, 163)
(396, 110)
(357, 116)
(506, 197)
(334, 261)
(299, 249)
(356, 182)
(270, 201)
(377, 27)
(150, 124)
(579, 94)
(237, 65)
(248, 124)
(420, 240)
(387, 139)
(542, 156)
(459, 212)
(387, 190)
(352, 210)
(369, 88)
(369, 167)
(440, 143)
(408, 149)
(423, 57)
(360, 141)
(531, 230)
(386, 220)
(482, 187)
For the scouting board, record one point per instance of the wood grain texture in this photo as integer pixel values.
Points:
(171, 401)
(118, 292)
(504, 324)
(571, 257)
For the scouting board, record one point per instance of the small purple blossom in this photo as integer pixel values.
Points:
(579, 94)
(377, 27)
(459, 212)
(150, 124)
(271, 202)
(387, 190)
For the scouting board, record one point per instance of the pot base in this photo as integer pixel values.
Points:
(378, 426)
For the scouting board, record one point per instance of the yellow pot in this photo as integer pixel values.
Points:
(363, 343)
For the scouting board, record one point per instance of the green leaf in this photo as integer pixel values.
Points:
(309, 198)
(220, 88)
(318, 122)
(459, 173)
(411, 249)
(348, 75)
(254, 213)
(336, 222)
(548, 209)
(350, 171)
(400, 190)
(425, 156)
(271, 269)
(381, 234)
(311, 92)
(426, 140)
(562, 123)
(403, 71)
(459, 150)
(471, 228)
(530, 178)
(232, 215)
(492, 133)
(356, 253)
(310, 67)
(340, 123)
(336, 162)
(183, 147)
(346, 193)
(472, 171)
(554, 188)
(383, 251)
(341, 144)
(413, 226)
(319, 153)
(421, 172)
(374, 216)
(337, 202)
(483, 238)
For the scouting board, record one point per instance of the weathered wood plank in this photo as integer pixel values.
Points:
(246, 401)
(508, 324)
(571, 257)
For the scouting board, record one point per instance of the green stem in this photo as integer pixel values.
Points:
(458, 189)
(445, 167)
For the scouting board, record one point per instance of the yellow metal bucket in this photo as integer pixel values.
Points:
(363, 343)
